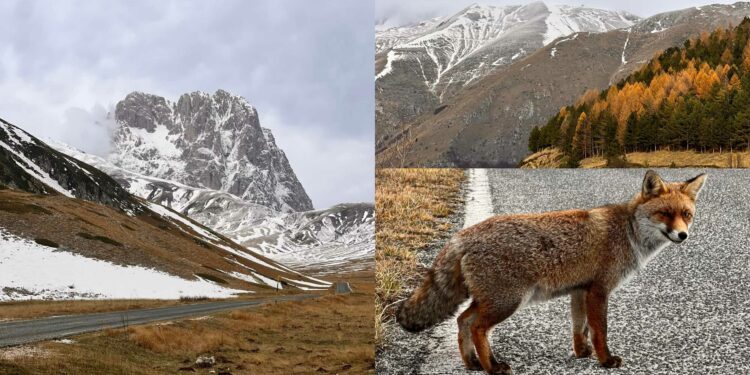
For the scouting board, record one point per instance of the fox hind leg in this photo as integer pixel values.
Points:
(581, 346)
(487, 317)
(465, 343)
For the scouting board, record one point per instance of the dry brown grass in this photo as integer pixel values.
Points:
(412, 207)
(690, 159)
(333, 333)
(180, 338)
(553, 158)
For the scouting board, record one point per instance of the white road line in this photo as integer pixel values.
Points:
(478, 199)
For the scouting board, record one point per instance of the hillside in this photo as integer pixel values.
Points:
(419, 67)
(61, 214)
(488, 123)
(695, 97)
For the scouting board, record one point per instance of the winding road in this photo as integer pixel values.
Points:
(687, 312)
(19, 332)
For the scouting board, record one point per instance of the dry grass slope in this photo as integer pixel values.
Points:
(412, 207)
(100, 232)
(331, 334)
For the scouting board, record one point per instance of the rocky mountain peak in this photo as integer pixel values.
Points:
(208, 141)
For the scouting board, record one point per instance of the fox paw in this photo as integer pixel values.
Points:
(612, 362)
(473, 364)
(500, 368)
(584, 352)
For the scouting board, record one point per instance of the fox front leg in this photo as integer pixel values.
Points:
(596, 311)
(581, 346)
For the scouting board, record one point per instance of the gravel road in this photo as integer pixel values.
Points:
(688, 312)
(27, 331)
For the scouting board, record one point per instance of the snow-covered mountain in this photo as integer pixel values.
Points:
(57, 211)
(340, 234)
(158, 163)
(206, 141)
(420, 66)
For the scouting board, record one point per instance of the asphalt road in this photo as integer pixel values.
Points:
(688, 312)
(27, 331)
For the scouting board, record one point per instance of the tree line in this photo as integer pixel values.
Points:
(694, 97)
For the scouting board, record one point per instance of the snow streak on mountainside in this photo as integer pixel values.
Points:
(206, 141)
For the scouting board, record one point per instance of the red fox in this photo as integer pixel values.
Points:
(506, 262)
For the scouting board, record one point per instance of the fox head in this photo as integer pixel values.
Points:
(667, 209)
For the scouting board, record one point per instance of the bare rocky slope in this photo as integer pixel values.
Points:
(488, 122)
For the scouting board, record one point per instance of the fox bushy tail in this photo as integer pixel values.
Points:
(439, 295)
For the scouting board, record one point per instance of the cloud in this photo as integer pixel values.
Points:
(310, 63)
(344, 168)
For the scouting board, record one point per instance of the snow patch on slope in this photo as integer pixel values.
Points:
(391, 57)
(32, 271)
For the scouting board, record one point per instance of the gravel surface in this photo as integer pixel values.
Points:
(686, 313)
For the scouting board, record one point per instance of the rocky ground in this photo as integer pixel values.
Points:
(687, 312)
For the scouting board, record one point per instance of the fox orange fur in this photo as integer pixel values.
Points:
(506, 262)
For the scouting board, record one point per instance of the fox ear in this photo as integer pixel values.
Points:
(653, 185)
(694, 185)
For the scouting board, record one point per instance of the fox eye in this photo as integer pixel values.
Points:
(687, 214)
(665, 213)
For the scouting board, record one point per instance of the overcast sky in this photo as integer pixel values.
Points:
(399, 12)
(306, 66)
